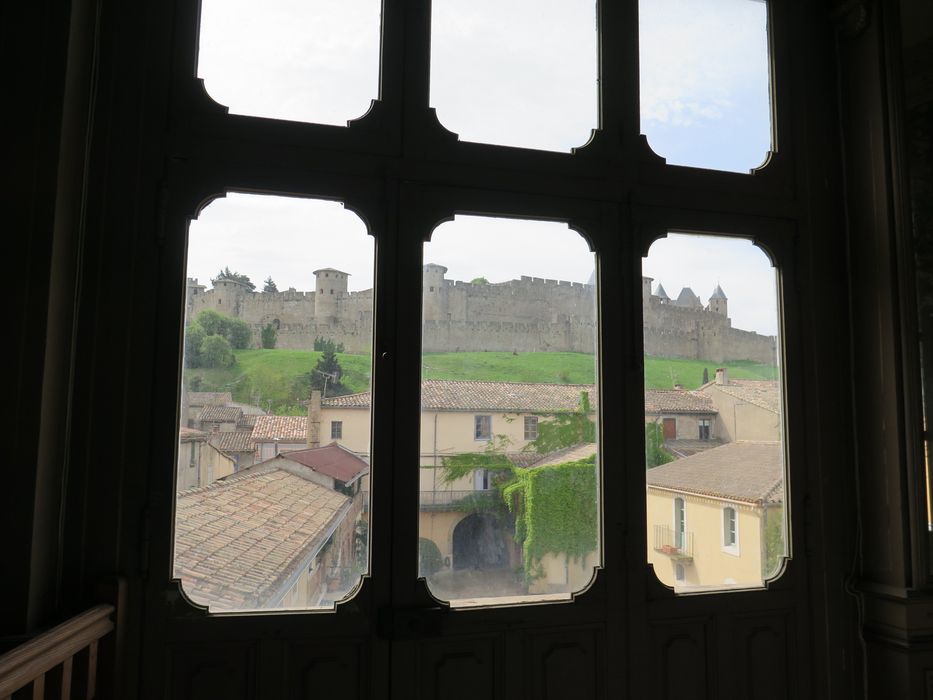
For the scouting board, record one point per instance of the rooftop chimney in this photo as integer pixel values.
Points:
(722, 376)
(314, 420)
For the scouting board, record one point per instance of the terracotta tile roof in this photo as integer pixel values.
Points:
(361, 400)
(247, 408)
(740, 471)
(246, 422)
(676, 401)
(333, 460)
(683, 447)
(281, 428)
(209, 398)
(502, 396)
(186, 434)
(220, 414)
(240, 540)
(237, 441)
(763, 393)
(439, 394)
(574, 453)
(442, 394)
(523, 459)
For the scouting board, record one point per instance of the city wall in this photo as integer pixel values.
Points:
(529, 314)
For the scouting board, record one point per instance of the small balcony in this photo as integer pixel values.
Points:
(676, 545)
(450, 500)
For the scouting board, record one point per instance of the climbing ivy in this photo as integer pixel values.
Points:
(554, 506)
(565, 429)
(773, 545)
(555, 510)
(491, 458)
(655, 454)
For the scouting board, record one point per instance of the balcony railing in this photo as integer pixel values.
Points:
(441, 500)
(61, 662)
(677, 545)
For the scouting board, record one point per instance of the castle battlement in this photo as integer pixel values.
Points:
(528, 314)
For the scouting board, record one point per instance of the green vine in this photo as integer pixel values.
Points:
(555, 510)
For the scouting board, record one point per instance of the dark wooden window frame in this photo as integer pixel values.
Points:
(404, 174)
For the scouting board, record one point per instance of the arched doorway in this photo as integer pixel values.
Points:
(479, 542)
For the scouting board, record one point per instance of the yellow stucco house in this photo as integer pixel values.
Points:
(715, 518)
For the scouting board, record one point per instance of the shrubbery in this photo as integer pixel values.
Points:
(216, 352)
(269, 335)
(430, 560)
(224, 334)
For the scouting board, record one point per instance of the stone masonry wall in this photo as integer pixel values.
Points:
(529, 314)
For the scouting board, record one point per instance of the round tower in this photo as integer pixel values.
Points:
(330, 286)
(432, 292)
(718, 303)
(646, 289)
(226, 294)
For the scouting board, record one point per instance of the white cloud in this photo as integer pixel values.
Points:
(704, 70)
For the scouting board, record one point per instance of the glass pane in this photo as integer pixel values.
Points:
(272, 483)
(705, 82)
(714, 442)
(314, 61)
(509, 480)
(520, 73)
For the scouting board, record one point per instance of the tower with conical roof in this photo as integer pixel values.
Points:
(661, 294)
(718, 303)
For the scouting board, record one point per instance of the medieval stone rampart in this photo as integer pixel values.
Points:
(529, 314)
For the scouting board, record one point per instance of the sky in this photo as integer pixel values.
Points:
(520, 73)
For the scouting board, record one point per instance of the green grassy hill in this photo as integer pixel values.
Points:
(268, 377)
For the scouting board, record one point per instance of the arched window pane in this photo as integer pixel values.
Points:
(272, 477)
(521, 73)
(705, 82)
(714, 421)
(509, 452)
(312, 61)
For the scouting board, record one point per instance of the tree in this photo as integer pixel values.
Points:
(705, 375)
(430, 560)
(655, 453)
(326, 374)
(233, 276)
(238, 333)
(211, 321)
(326, 345)
(269, 285)
(268, 336)
(565, 429)
(216, 352)
(479, 280)
(194, 336)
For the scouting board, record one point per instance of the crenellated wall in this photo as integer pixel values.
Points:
(529, 314)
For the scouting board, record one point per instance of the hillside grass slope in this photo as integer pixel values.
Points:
(269, 377)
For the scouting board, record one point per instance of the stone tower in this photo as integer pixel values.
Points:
(226, 296)
(718, 303)
(330, 287)
(646, 289)
(433, 292)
